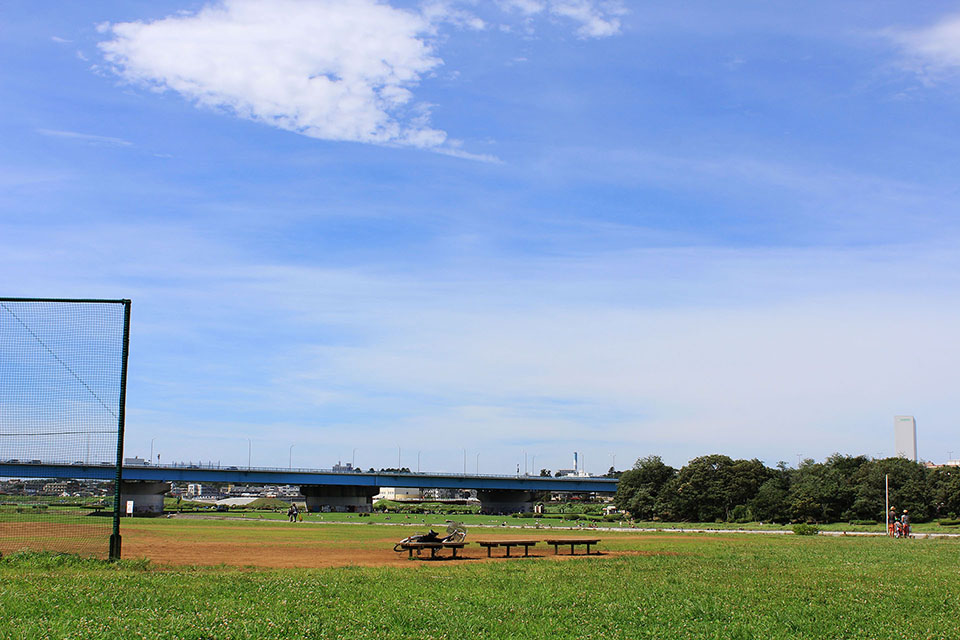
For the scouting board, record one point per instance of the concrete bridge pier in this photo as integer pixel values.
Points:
(505, 501)
(147, 496)
(339, 497)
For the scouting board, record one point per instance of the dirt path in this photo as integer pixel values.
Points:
(371, 552)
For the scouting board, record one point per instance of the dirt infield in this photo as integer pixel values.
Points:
(277, 546)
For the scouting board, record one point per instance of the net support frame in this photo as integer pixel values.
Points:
(115, 539)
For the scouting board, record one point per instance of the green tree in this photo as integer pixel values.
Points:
(708, 488)
(945, 492)
(909, 489)
(770, 502)
(825, 492)
(639, 488)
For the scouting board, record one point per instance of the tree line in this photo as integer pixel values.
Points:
(717, 488)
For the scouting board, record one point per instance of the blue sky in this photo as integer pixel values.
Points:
(531, 226)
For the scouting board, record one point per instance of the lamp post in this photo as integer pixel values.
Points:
(151, 450)
(533, 466)
(478, 463)
(249, 452)
(290, 460)
(398, 458)
(353, 458)
(886, 500)
(464, 462)
(418, 461)
(524, 463)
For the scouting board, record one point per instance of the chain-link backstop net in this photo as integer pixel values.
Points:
(62, 370)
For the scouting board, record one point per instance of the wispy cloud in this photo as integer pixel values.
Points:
(595, 19)
(682, 351)
(931, 50)
(85, 137)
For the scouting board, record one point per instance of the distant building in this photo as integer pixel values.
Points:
(905, 437)
(397, 493)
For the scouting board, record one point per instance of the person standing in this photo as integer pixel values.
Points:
(905, 523)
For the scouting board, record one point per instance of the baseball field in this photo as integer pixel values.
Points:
(229, 578)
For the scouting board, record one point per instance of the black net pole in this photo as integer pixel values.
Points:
(121, 415)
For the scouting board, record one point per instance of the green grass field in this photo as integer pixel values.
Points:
(531, 523)
(669, 586)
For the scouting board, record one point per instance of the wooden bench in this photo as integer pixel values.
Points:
(508, 544)
(573, 542)
(433, 546)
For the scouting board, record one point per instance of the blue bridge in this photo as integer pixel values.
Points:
(322, 488)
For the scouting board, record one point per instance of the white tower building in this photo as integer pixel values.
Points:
(905, 437)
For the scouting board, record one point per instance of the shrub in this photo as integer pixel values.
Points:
(741, 513)
(864, 522)
(806, 529)
(948, 523)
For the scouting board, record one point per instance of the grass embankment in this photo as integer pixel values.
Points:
(675, 586)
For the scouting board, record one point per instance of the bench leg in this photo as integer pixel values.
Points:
(588, 549)
(433, 553)
(410, 553)
(526, 550)
(508, 551)
(572, 552)
(454, 552)
(488, 552)
(556, 549)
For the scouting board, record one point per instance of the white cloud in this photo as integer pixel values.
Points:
(328, 69)
(333, 69)
(85, 137)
